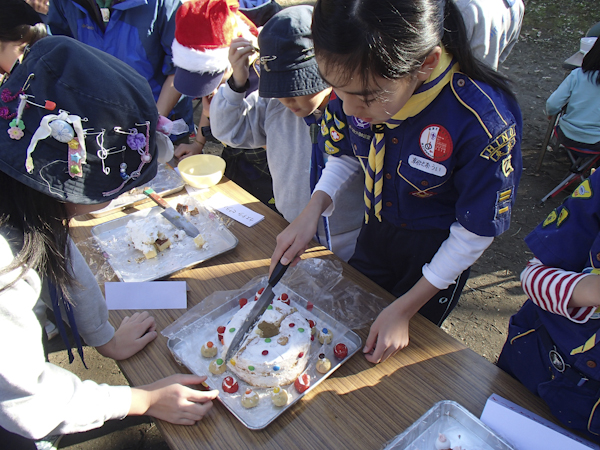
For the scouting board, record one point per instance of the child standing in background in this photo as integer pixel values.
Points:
(438, 137)
(203, 32)
(139, 33)
(284, 115)
(579, 126)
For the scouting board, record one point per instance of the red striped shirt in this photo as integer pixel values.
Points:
(551, 289)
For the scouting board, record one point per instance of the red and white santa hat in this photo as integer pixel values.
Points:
(203, 32)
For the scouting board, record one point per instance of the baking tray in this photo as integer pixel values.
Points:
(166, 182)
(130, 264)
(461, 427)
(185, 346)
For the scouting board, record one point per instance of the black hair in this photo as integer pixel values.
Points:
(392, 38)
(20, 23)
(29, 34)
(42, 223)
(591, 62)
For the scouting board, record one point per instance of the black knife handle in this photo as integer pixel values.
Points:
(278, 272)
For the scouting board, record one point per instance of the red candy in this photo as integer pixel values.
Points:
(243, 301)
(230, 385)
(292, 325)
(302, 383)
(261, 290)
(340, 351)
(265, 352)
(285, 299)
(309, 306)
(300, 355)
(311, 323)
(221, 330)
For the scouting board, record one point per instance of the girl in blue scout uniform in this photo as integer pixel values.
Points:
(551, 345)
(438, 136)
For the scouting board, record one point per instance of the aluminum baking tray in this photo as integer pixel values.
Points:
(166, 182)
(462, 428)
(185, 346)
(130, 264)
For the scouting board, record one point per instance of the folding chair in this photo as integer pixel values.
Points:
(582, 160)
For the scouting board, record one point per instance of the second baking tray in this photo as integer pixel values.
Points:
(130, 264)
(185, 346)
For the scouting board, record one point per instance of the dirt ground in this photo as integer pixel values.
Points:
(550, 34)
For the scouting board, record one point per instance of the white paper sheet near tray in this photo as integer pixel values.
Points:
(185, 346)
(459, 426)
(131, 265)
(166, 182)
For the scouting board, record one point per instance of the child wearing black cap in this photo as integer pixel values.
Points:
(20, 26)
(66, 148)
(284, 116)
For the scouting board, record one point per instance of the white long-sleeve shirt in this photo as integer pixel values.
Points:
(38, 398)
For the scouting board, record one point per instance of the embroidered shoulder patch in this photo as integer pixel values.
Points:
(336, 136)
(584, 190)
(328, 115)
(562, 216)
(507, 167)
(338, 123)
(550, 219)
(324, 129)
(503, 202)
(501, 146)
(330, 148)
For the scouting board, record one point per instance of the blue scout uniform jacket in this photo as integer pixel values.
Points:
(459, 158)
(140, 33)
(554, 357)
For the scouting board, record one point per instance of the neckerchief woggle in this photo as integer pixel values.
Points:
(420, 99)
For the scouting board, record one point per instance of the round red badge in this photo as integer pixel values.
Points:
(436, 143)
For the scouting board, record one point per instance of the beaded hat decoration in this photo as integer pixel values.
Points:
(77, 140)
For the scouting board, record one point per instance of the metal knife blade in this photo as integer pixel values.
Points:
(257, 310)
(172, 215)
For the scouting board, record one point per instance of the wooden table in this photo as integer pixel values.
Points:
(361, 406)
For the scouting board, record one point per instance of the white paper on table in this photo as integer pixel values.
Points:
(146, 295)
(526, 430)
(233, 209)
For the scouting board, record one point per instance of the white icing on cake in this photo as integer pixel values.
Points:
(283, 362)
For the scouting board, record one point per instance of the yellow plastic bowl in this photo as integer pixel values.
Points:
(202, 171)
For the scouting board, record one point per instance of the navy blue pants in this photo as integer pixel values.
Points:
(530, 356)
(393, 258)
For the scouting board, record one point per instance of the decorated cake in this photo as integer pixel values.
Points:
(275, 351)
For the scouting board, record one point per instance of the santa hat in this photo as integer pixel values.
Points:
(203, 32)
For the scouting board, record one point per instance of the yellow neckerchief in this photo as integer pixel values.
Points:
(423, 96)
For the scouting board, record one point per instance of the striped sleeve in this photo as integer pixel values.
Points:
(551, 289)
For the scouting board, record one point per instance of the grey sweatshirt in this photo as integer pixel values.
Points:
(256, 122)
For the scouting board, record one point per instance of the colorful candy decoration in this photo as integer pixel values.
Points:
(285, 298)
(302, 383)
(279, 396)
(217, 367)
(323, 364)
(230, 385)
(340, 351)
(250, 399)
(209, 350)
(325, 336)
(243, 302)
